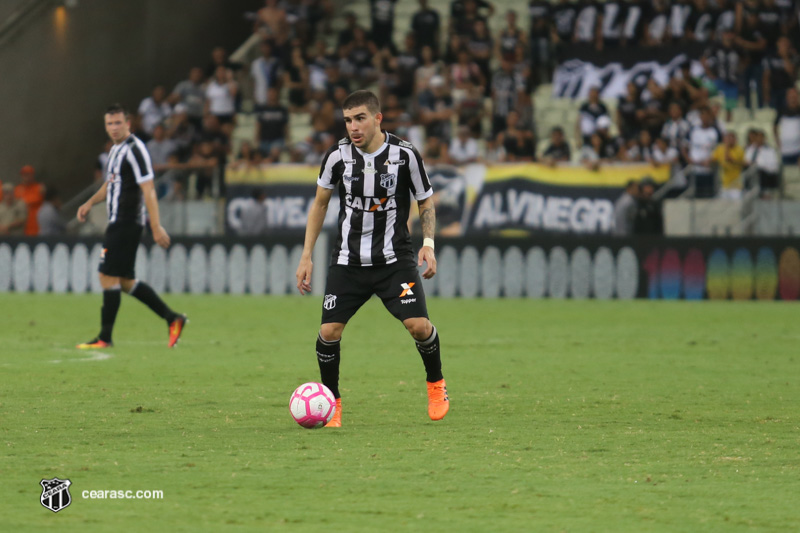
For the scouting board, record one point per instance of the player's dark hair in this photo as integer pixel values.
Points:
(365, 98)
(113, 109)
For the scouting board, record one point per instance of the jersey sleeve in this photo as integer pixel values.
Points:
(420, 183)
(330, 170)
(139, 160)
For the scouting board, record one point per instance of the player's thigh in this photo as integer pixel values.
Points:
(120, 245)
(402, 294)
(346, 290)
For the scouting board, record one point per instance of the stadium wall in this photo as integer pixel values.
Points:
(66, 65)
(565, 267)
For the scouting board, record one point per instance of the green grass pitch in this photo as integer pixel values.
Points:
(565, 416)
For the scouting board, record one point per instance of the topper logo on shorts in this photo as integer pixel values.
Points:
(370, 204)
(55, 494)
(407, 289)
(330, 301)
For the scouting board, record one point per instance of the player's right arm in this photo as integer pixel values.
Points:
(96, 198)
(316, 217)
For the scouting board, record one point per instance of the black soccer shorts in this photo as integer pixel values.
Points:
(349, 287)
(120, 244)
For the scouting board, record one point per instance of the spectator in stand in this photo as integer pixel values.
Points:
(493, 151)
(637, 150)
(780, 73)
(480, 48)
(701, 142)
(729, 157)
(591, 154)
(49, 216)
(769, 19)
(787, 129)
(265, 72)
(219, 57)
(392, 110)
(722, 65)
(162, 150)
(459, 9)
(677, 128)
(346, 35)
(463, 148)
(426, 27)
(507, 93)
(540, 17)
(100, 163)
(464, 75)
(558, 151)
(428, 68)
(191, 94)
(221, 98)
(625, 209)
(361, 55)
(13, 212)
(399, 78)
(726, 17)
(664, 154)
(517, 142)
(648, 219)
(509, 38)
(154, 110)
(183, 132)
(753, 45)
(435, 152)
(271, 19)
(768, 166)
(319, 146)
(436, 109)
(295, 79)
(31, 192)
(272, 129)
(612, 146)
(214, 133)
(588, 114)
(629, 111)
(382, 15)
(205, 164)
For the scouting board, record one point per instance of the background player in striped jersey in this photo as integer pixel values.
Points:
(376, 174)
(128, 189)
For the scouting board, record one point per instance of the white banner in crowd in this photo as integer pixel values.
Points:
(574, 78)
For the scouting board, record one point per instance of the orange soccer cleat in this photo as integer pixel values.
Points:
(93, 344)
(438, 402)
(175, 329)
(336, 421)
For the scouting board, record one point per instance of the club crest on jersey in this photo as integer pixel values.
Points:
(55, 494)
(388, 181)
(330, 301)
(369, 203)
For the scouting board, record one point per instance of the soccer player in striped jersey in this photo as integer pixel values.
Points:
(376, 174)
(127, 190)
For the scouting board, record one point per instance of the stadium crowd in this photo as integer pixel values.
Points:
(460, 86)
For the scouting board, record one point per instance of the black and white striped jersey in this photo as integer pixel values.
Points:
(128, 165)
(375, 193)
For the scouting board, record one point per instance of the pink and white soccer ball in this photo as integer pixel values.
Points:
(312, 405)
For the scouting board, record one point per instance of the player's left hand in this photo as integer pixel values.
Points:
(427, 256)
(161, 237)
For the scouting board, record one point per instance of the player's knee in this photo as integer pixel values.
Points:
(419, 328)
(331, 332)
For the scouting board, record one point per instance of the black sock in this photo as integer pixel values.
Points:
(431, 356)
(145, 294)
(328, 357)
(108, 313)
